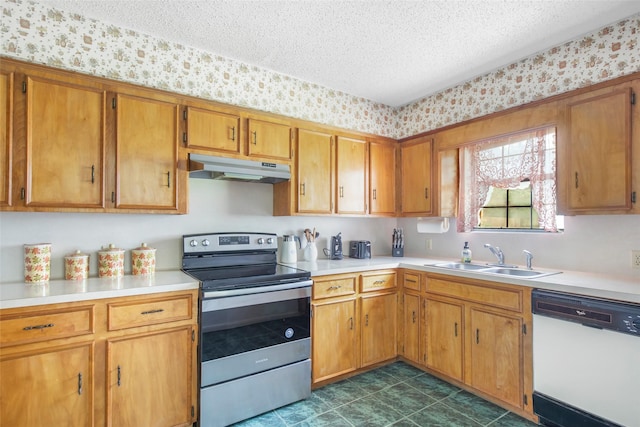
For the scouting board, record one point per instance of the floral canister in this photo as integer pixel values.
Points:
(76, 266)
(111, 262)
(37, 262)
(143, 260)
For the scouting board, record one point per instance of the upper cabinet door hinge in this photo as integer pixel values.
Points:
(633, 197)
(184, 114)
(633, 98)
(524, 329)
(24, 87)
(113, 103)
(193, 335)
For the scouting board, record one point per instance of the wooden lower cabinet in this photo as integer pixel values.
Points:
(352, 326)
(472, 332)
(60, 364)
(334, 339)
(51, 386)
(444, 329)
(149, 379)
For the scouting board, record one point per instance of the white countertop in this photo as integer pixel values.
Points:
(596, 285)
(21, 294)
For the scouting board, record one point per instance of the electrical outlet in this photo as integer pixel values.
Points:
(635, 259)
(429, 244)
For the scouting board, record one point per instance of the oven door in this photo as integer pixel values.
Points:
(247, 334)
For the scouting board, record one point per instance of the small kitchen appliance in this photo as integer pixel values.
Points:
(360, 249)
(289, 253)
(335, 251)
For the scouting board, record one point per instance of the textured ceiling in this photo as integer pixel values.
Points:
(392, 52)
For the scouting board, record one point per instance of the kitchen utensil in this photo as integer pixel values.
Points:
(76, 266)
(37, 262)
(289, 253)
(143, 260)
(111, 262)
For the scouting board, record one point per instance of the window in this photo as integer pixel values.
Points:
(509, 183)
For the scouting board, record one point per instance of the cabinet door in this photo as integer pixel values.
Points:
(315, 180)
(146, 153)
(444, 332)
(213, 130)
(417, 190)
(382, 178)
(412, 327)
(65, 140)
(334, 339)
(351, 164)
(149, 379)
(269, 140)
(600, 152)
(6, 132)
(496, 355)
(51, 387)
(379, 314)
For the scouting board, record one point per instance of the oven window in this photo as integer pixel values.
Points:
(241, 329)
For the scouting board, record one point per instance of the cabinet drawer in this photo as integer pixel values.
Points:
(510, 299)
(334, 287)
(411, 281)
(123, 315)
(35, 326)
(378, 281)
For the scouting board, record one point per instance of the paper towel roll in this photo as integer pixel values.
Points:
(433, 225)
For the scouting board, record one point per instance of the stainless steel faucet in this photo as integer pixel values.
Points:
(497, 252)
(529, 256)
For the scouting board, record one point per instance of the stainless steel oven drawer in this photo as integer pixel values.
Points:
(233, 401)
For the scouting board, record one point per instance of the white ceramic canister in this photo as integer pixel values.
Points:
(37, 262)
(76, 266)
(143, 260)
(111, 262)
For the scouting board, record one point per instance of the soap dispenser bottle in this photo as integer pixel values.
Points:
(466, 253)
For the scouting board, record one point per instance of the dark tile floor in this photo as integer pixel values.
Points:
(394, 395)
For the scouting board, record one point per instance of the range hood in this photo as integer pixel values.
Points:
(222, 168)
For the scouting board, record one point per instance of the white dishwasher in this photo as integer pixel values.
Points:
(586, 360)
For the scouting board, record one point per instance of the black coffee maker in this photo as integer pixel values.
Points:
(336, 247)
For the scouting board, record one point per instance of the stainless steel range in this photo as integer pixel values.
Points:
(255, 344)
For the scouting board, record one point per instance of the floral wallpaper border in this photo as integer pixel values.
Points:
(36, 33)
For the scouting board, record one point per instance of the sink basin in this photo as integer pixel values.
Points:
(462, 266)
(489, 269)
(517, 272)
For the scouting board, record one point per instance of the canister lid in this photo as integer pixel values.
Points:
(77, 254)
(111, 248)
(144, 247)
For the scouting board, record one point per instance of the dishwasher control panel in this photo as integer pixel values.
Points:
(594, 312)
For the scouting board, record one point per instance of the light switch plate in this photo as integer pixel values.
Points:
(635, 259)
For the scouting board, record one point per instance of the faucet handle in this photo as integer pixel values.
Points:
(529, 257)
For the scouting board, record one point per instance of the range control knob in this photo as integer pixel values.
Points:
(270, 240)
(193, 243)
(205, 242)
(260, 241)
(636, 324)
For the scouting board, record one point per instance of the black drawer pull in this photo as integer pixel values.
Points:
(159, 310)
(29, 328)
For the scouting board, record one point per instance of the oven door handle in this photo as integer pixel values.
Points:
(220, 300)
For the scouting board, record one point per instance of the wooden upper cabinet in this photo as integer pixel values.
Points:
(416, 170)
(599, 152)
(212, 130)
(382, 178)
(351, 174)
(146, 153)
(6, 135)
(65, 144)
(314, 180)
(269, 140)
